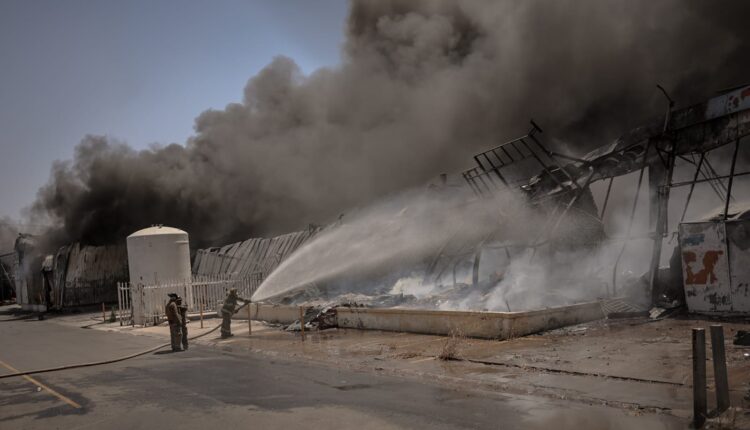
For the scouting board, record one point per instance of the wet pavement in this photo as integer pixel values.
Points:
(637, 365)
(631, 368)
(371, 380)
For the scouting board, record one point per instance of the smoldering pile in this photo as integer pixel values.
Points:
(421, 84)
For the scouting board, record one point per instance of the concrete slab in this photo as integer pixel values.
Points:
(487, 325)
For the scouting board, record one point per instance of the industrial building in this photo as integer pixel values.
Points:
(707, 266)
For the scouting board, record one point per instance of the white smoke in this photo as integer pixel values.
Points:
(395, 235)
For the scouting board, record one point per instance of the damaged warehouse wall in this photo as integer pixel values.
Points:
(90, 275)
(27, 269)
(556, 194)
(7, 277)
(75, 275)
(79, 275)
(258, 255)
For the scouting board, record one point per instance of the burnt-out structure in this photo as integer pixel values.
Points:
(7, 278)
(75, 275)
(554, 251)
(684, 137)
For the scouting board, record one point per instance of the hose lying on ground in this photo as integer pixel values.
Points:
(114, 360)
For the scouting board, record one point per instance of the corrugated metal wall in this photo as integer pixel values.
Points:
(89, 274)
(84, 275)
(260, 255)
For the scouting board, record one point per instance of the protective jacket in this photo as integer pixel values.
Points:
(230, 304)
(173, 313)
(183, 314)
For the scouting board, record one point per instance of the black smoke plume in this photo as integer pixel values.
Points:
(422, 85)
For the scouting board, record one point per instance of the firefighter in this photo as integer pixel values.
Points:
(175, 322)
(229, 309)
(182, 307)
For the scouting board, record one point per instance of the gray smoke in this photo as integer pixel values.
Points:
(422, 86)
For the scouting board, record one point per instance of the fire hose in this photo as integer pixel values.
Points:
(110, 361)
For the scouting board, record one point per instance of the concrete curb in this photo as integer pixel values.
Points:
(487, 325)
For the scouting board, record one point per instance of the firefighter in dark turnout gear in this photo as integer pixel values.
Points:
(229, 309)
(175, 322)
(182, 307)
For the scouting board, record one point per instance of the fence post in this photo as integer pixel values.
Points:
(142, 293)
(249, 321)
(201, 314)
(119, 302)
(104, 313)
(720, 368)
(302, 322)
(699, 377)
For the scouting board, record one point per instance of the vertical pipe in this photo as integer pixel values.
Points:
(302, 322)
(201, 314)
(731, 178)
(720, 368)
(249, 321)
(699, 377)
(661, 217)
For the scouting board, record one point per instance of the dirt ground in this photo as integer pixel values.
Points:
(637, 364)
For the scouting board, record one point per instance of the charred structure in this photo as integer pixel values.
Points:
(689, 134)
(75, 275)
(566, 222)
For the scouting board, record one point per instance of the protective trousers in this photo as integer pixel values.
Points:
(226, 323)
(184, 336)
(175, 336)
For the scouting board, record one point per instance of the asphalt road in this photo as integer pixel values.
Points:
(211, 388)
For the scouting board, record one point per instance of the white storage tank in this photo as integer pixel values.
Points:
(158, 254)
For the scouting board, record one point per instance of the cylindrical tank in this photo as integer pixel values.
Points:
(158, 254)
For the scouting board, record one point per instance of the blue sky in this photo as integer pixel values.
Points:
(139, 71)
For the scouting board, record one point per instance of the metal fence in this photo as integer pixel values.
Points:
(124, 303)
(144, 304)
